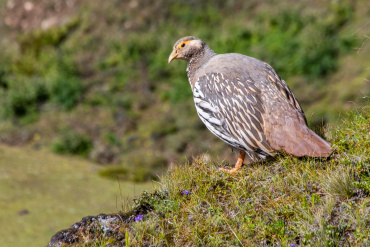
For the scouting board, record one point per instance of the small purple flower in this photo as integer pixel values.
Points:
(139, 218)
(292, 245)
(186, 192)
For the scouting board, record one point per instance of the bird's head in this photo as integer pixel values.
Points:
(185, 48)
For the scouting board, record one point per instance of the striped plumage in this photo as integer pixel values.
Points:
(245, 103)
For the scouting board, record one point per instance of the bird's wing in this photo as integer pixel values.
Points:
(231, 108)
(285, 125)
(275, 80)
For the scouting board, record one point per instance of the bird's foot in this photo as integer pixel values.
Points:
(230, 171)
(238, 165)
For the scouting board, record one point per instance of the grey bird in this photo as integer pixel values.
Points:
(245, 103)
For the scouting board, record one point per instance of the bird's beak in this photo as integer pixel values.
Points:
(173, 55)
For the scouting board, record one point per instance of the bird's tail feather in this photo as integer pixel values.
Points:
(312, 145)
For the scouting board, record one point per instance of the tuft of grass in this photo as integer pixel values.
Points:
(339, 183)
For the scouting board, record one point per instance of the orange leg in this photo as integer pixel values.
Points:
(238, 164)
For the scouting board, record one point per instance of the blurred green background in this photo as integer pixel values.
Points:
(90, 78)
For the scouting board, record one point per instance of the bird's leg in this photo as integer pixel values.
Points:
(238, 164)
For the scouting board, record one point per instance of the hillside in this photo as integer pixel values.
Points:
(91, 78)
(40, 193)
(286, 202)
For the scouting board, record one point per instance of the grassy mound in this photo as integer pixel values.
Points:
(286, 202)
(283, 203)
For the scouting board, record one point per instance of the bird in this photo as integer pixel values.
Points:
(245, 103)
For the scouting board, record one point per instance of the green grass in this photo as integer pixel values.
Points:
(55, 191)
(305, 202)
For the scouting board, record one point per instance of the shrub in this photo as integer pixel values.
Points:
(115, 172)
(72, 143)
(3, 83)
(23, 97)
(37, 40)
(66, 92)
(138, 175)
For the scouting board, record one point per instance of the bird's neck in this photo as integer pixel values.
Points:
(197, 61)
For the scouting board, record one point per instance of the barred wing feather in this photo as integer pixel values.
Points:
(232, 110)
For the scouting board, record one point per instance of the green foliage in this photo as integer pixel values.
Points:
(3, 83)
(127, 239)
(136, 168)
(153, 199)
(36, 41)
(114, 172)
(283, 39)
(137, 175)
(66, 92)
(71, 142)
(41, 73)
(22, 98)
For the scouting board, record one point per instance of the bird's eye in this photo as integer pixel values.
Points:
(183, 44)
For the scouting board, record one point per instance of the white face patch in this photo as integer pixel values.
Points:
(196, 43)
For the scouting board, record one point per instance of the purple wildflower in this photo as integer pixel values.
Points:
(292, 245)
(139, 218)
(186, 192)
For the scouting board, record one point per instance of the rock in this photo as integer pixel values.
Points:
(92, 228)
(110, 227)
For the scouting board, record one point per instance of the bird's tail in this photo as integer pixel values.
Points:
(312, 145)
